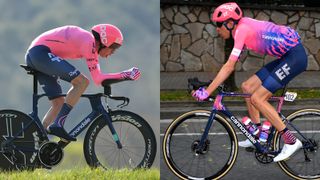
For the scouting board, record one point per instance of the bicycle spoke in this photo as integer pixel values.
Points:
(106, 140)
(134, 153)
(108, 132)
(129, 157)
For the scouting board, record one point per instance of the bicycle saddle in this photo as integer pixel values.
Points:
(29, 69)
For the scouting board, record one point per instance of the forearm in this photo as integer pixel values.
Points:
(222, 75)
(112, 76)
(98, 77)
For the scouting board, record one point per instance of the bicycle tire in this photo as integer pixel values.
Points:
(141, 137)
(307, 122)
(22, 152)
(220, 132)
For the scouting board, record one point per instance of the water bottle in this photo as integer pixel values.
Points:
(251, 127)
(265, 131)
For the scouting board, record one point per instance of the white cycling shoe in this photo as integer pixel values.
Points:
(246, 143)
(287, 151)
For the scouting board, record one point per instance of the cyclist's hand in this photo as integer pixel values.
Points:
(131, 74)
(200, 94)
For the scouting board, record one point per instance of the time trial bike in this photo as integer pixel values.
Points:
(114, 139)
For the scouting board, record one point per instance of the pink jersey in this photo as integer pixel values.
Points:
(72, 42)
(263, 37)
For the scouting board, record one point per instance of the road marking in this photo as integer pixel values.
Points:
(262, 119)
(223, 133)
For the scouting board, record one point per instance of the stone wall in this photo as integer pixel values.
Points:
(189, 42)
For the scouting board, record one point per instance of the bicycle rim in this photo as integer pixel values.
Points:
(184, 132)
(307, 121)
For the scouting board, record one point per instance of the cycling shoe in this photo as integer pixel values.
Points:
(60, 132)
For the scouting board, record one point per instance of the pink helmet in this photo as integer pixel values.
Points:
(226, 11)
(107, 34)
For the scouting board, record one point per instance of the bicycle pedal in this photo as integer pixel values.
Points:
(63, 140)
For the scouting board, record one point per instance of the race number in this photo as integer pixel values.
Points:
(290, 96)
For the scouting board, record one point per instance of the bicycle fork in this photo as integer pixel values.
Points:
(113, 131)
(97, 106)
(202, 145)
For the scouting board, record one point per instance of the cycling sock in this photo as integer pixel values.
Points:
(65, 110)
(287, 136)
(259, 127)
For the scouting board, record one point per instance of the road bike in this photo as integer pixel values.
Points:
(203, 144)
(114, 139)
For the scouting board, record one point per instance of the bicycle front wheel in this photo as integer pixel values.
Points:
(182, 137)
(305, 164)
(135, 134)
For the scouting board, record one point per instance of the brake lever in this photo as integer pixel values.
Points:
(191, 82)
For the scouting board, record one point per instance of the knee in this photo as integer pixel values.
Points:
(256, 100)
(81, 81)
(246, 88)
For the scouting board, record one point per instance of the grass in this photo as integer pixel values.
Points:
(74, 167)
(183, 95)
(83, 173)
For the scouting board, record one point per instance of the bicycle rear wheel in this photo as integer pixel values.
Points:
(305, 164)
(137, 138)
(20, 139)
(183, 135)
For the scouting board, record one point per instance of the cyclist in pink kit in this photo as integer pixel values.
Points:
(47, 54)
(261, 37)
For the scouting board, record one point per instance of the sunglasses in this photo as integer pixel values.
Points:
(219, 24)
(114, 46)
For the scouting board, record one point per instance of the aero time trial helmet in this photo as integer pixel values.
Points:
(226, 11)
(108, 35)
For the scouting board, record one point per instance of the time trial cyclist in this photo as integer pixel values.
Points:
(48, 53)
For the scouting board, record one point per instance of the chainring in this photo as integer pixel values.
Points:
(50, 154)
(264, 158)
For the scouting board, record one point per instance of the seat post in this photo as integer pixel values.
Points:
(35, 84)
(35, 96)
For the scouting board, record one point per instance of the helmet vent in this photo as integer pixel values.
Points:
(96, 35)
(219, 14)
(237, 11)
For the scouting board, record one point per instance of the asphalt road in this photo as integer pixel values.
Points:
(246, 165)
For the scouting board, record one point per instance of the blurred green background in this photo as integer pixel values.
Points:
(22, 21)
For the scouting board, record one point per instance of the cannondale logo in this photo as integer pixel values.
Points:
(103, 34)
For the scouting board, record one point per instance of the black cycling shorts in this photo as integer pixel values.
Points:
(51, 68)
(276, 74)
